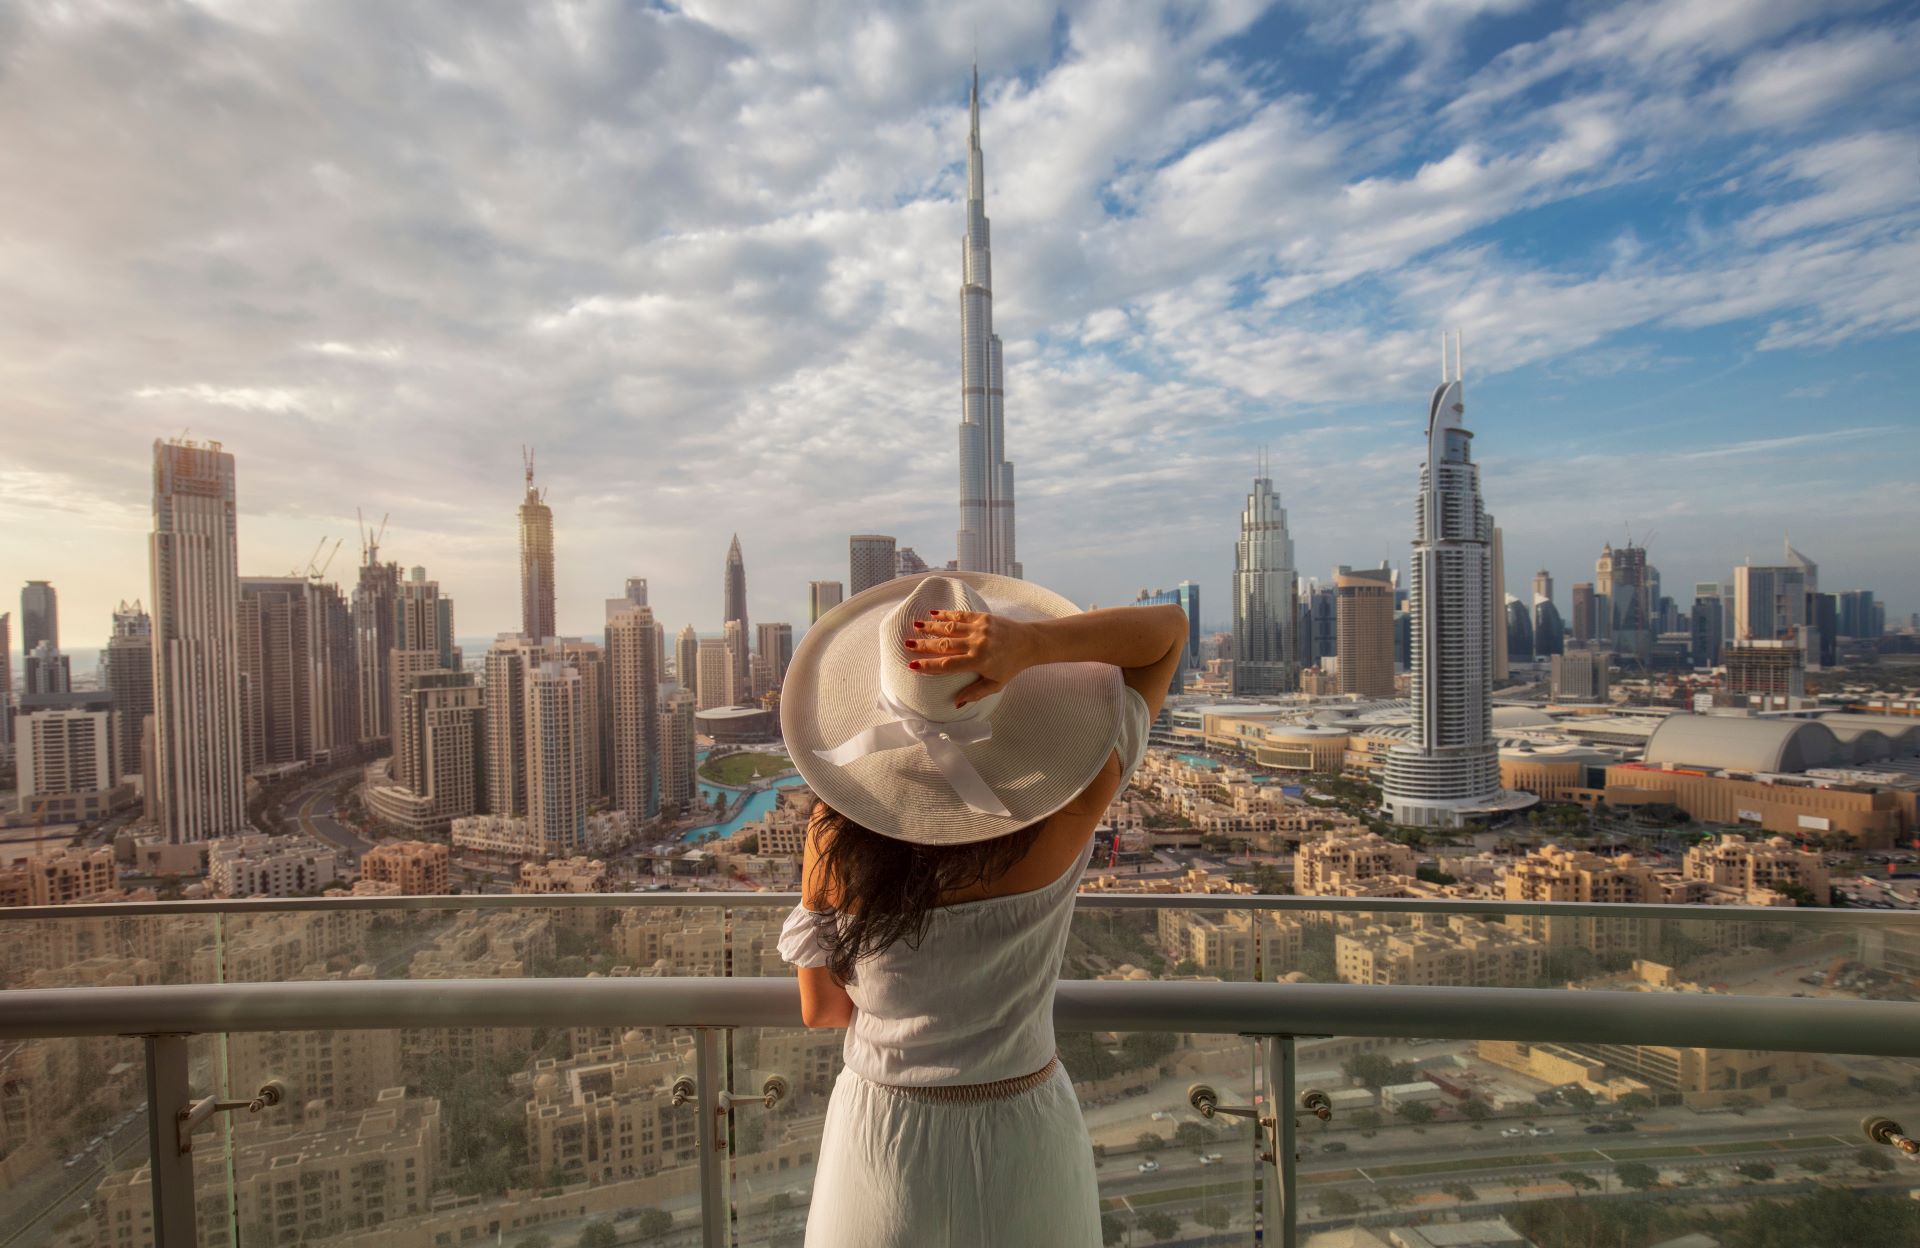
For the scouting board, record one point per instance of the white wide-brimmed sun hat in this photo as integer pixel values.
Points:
(886, 747)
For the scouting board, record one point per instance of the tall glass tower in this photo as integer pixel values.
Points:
(986, 478)
(1266, 615)
(1451, 768)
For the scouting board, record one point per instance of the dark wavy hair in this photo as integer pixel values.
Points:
(888, 889)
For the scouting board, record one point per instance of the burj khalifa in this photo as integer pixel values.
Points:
(986, 478)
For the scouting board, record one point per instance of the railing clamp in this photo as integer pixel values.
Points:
(1312, 1101)
(1883, 1130)
(196, 1115)
(772, 1092)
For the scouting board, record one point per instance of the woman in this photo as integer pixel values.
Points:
(964, 734)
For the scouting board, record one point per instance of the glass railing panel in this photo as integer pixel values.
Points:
(774, 1151)
(1165, 1172)
(1745, 952)
(73, 1132)
(502, 1135)
(1605, 1144)
(108, 950)
(1212, 942)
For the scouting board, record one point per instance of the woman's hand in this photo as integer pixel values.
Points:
(993, 646)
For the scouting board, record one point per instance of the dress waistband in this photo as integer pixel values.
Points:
(999, 1090)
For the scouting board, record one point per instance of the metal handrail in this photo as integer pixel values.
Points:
(1686, 1020)
(1797, 916)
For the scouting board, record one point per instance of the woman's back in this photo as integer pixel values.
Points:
(972, 1001)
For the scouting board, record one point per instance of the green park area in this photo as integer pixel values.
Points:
(743, 769)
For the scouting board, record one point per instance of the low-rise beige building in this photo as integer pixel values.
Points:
(563, 875)
(417, 868)
(1454, 951)
(1232, 944)
(254, 865)
(1553, 873)
(1326, 868)
(65, 876)
(1736, 862)
(608, 1114)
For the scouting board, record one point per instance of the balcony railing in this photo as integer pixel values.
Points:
(737, 1171)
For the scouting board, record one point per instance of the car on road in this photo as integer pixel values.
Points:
(1208, 1159)
(1539, 1130)
(1148, 1167)
(1511, 1132)
(73, 1160)
(1161, 1115)
(1334, 1146)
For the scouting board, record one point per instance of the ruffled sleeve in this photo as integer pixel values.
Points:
(800, 938)
(1131, 740)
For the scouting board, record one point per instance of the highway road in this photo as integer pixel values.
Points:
(33, 1210)
(316, 810)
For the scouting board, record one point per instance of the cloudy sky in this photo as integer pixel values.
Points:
(705, 258)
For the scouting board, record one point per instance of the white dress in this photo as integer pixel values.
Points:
(973, 1004)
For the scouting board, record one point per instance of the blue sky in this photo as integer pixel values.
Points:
(705, 258)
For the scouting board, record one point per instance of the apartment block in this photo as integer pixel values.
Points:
(608, 1114)
(254, 865)
(415, 868)
(1228, 943)
(1556, 874)
(1453, 951)
(1328, 867)
(1758, 866)
(563, 875)
(62, 877)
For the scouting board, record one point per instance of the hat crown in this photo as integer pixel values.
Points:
(929, 697)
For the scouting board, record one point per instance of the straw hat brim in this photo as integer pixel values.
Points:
(1053, 729)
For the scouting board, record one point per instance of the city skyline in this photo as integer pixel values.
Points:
(1618, 310)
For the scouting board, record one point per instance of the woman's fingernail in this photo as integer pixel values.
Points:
(915, 665)
(919, 623)
(912, 644)
(933, 613)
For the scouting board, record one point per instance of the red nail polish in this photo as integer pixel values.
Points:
(915, 665)
(933, 613)
(919, 623)
(912, 644)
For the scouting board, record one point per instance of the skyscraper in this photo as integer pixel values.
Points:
(275, 647)
(1450, 769)
(676, 751)
(1582, 630)
(596, 720)
(337, 699)
(439, 731)
(714, 665)
(1543, 586)
(686, 661)
(6, 680)
(39, 616)
(1705, 627)
(1580, 675)
(634, 684)
(1770, 602)
(1265, 617)
(907, 562)
(199, 785)
(824, 596)
(1519, 632)
(1363, 619)
(557, 790)
(776, 647)
(736, 607)
(870, 561)
(536, 561)
(1622, 578)
(986, 478)
(635, 596)
(1497, 605)
(374, 600)
(423, 620)
(48, 671)
(508, 664)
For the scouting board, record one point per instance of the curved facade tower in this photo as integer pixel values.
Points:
(1266, 613)
(1450, 769)
(986, 478)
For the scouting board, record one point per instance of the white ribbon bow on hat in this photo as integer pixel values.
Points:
(943, 742)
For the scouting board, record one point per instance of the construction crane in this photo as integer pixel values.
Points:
(307, 567)
(317, 572)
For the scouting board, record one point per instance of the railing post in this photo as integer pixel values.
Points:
(716, 1229)
(172, 1166)
(1281, 1094)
